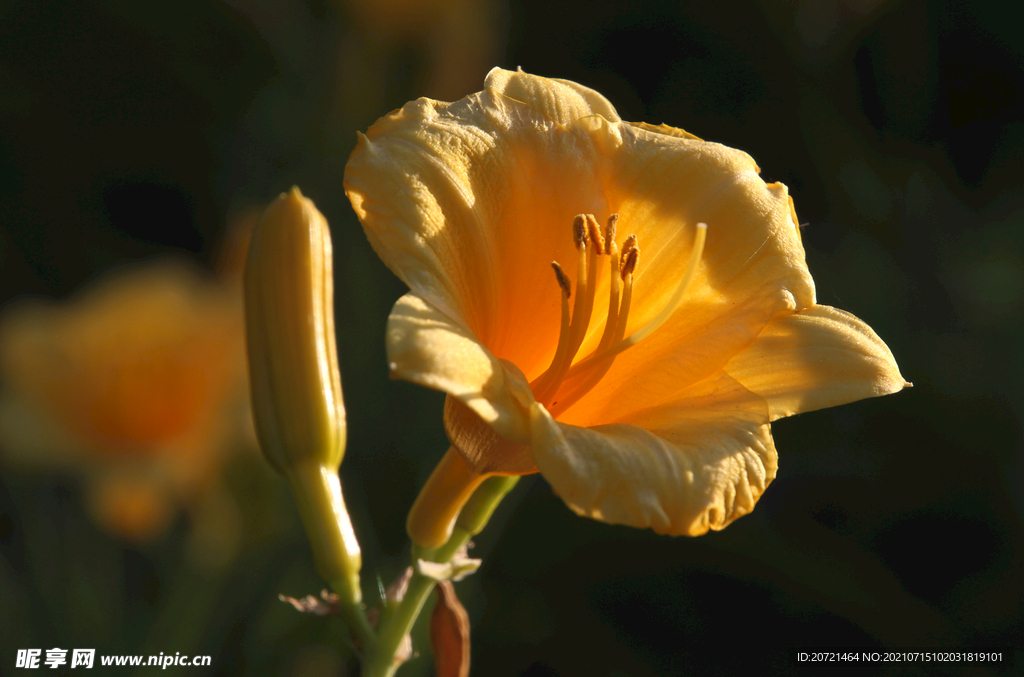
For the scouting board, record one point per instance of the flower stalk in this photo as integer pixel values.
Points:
(432, 517)
(296, 385)
(398, 621)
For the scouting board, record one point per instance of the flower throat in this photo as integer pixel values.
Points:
(564, 383)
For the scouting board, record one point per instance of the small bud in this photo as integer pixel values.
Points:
(296, 386)
(293, 360)
(449, 634)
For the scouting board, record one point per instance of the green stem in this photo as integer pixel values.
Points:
(481, 505)
(355, 619)
(336, 553)
(396, 623)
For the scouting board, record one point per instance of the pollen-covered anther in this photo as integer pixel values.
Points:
(609, 234)
(594, 231)
(579, 230)
(630, 256)
(563, 280)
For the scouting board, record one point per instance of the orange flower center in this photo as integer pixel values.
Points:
(477, 450)
(564, 383)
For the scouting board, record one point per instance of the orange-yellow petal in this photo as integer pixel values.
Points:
(469, 202)
(425, 346)
(559, 100)
(660, 369)
(684, 468)
(752, 268)
(819, 357)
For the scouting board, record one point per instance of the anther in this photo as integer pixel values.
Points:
(594, 231)
(579, 230)
(609, 232)
(699, 238)
(628, 260)
(563, 281)
(628, 264)
(631, 243)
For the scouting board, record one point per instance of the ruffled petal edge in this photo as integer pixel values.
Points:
(625, 474)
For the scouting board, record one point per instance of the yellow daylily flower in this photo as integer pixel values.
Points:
(642, 386)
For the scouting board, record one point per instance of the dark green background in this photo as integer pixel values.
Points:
(128, 131)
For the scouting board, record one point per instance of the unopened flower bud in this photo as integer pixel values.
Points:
(293, 360)
(293, 366)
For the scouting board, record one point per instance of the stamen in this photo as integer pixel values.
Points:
(630, 243)
(563, 280)
(627, 298)
(573, 381)
(581, 284)
(544, 381)
(613, 282)
(613, 299)
(609, 232)
(581, 388)
(572, 332)
(700, 236)
(594, 231)
(630, 256)
(586, 289)
(579, 230)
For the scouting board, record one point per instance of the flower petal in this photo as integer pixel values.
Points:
(662, 367)
(469, 202)
(751, 271)
(693, 466)
(559, 100)
(819, 357)
(427, 347)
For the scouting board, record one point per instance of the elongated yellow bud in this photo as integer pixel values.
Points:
(293, 360)
(293, 367)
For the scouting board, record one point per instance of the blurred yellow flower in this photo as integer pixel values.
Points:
(650, 403)
(138, 382)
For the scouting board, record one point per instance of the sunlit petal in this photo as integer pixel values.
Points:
(820, 357)
(425, 346)
(559, 100)
(469, 202)
(685, 471)
(675, 361)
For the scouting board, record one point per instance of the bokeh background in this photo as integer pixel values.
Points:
(142, 136)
